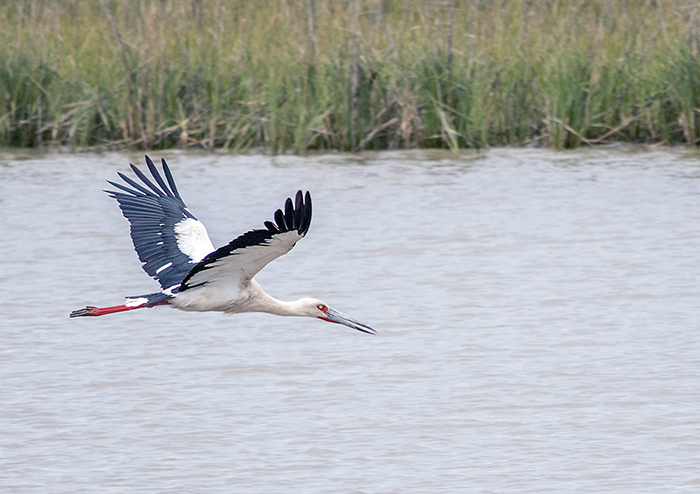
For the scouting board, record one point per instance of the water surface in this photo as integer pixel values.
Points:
(538, 318)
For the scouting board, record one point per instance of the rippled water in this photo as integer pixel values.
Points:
(538, 317)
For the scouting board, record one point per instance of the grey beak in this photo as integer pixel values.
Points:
(340, 318)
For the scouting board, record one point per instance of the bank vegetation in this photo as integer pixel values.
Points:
(298, 75)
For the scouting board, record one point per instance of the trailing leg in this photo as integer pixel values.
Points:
(101, 311)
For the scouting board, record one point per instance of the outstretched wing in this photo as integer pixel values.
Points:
(235, 264)
(168, 239)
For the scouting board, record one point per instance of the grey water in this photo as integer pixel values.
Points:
(538, 316)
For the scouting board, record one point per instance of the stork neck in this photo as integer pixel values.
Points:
(282, 308)
(266, 303)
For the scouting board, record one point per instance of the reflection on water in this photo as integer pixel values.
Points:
(538, 316)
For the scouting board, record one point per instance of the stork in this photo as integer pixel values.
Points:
(174, 248)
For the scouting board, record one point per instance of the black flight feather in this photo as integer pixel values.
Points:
(171, 181)
(145, 180)
(135, 185)
(289, 214)
(272, 227)
(159, 179)
(279, 219)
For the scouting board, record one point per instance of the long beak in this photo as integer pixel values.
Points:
(340, 318)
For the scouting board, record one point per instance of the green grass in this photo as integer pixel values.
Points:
(296, 75)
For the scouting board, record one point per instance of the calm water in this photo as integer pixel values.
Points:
(538, 317)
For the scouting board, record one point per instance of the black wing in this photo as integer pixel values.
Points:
(168, 239)
(235, 264)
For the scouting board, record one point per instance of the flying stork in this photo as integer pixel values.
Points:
(174, 248)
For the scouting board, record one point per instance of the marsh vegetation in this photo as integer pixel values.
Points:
(295, 75)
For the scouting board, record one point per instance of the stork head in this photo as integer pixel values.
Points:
(319, 309)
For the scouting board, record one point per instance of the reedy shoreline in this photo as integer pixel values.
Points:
(297, 75)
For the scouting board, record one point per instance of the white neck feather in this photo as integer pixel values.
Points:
(262, 302)
(281, 308)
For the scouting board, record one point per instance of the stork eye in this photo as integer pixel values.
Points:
(322, 308)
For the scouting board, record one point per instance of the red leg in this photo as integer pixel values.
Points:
(101, 311)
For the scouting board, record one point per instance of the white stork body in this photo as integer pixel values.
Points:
(175, 249)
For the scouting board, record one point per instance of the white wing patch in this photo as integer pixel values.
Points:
(193, 239)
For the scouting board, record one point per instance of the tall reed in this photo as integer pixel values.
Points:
(294, 75)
